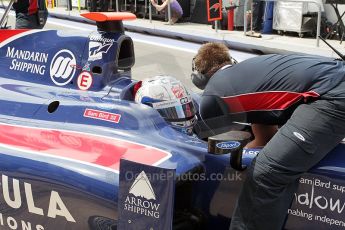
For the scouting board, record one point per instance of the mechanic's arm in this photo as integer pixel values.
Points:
(214, 118)
(159, 7)
(210, 107)
(262, 135)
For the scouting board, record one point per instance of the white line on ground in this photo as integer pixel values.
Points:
(132, 36)
(69, 26)
(165, 45)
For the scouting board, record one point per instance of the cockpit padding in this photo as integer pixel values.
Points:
(127, 92)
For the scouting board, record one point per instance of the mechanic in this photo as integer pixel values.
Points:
(170, 98)
(30, 14)
(176, 9)
(258, 9)
(99, 5)
(303, 94)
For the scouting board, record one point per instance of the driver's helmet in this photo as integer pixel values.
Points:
(171, 99)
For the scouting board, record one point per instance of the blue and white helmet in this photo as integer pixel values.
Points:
(171, 99)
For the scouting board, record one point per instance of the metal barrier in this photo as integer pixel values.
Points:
(117, 5)
(150, 10)
(4, 17)
(307, 1)
(169, 12)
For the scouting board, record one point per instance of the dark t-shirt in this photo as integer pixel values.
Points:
(267, 89)
(26, 6)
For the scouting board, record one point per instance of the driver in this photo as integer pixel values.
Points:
(171, 99)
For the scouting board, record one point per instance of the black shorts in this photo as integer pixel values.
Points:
(26, 21)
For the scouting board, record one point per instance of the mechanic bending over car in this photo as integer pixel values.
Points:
(303, 94)
(30, 14)
(170, 98)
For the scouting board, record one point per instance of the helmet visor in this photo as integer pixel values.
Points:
(174, 110)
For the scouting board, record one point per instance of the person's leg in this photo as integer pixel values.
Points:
(105, 6)
(262, 135)
(257, 14)
(93, 5)
(22, 21)
(312, 131)
(174, 20)
(175, 16)
(25, 21)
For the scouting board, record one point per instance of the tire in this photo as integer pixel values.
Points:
(102, 223)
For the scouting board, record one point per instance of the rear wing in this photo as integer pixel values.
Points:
(109, 21)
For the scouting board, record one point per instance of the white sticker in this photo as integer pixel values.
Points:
(62, 67)
(84, 80)
(97, 49)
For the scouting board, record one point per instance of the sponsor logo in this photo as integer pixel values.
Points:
(228, 145)
(76, 66)
(143, 199)
(102, 115)
(159, 97)
(185, 100)
(20, 195)
(100, 38)
(16, 223)
(97, 49)
(87, 67)
(299, 136)
(145, 196)
(251, 151)
(84, 80)
(27, 61)
(215, 7)
(194, 141)
(318, 202)
(178, 91)
(317, 197)
(142, 187)
(165, 104)
(62, 67)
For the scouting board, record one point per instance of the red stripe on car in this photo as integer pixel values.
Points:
(6, 34)
(100, 150)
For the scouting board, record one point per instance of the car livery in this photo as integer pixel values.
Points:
(67, 120)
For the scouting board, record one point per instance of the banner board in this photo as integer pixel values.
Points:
(214, 10)
(318, 204)
(146, 196)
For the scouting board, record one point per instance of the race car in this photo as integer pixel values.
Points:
(76, 151)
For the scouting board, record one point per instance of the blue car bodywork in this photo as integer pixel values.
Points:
(67, 117)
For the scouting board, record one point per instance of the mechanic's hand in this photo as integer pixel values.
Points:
(254, 144)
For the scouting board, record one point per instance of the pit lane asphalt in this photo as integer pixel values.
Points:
(154, 55)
